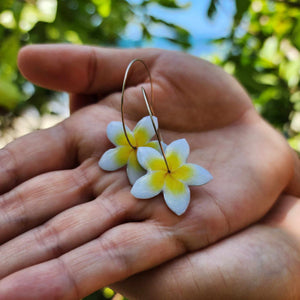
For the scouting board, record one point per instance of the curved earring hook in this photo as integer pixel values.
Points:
(148, 105)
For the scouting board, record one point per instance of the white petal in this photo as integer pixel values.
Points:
(148, 185)
(115, 158)
(164, 145)
(180, 146)
(192, 174)
(144, 131)
(134, 170)
(155, 145)
(115, 134)
(150, 159)
(177, 153)
(201, 176)
(177, 198)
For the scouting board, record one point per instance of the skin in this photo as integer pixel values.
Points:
(68, 228)
(260, 262)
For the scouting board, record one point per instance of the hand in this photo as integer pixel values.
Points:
(260, 262)
(69, 228)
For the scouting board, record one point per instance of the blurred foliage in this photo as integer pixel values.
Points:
(105, 294)
(264, 55)
(97, 22)
(262, 50)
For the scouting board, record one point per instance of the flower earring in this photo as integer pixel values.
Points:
(125, 154)
(152, 166)
(126, 141)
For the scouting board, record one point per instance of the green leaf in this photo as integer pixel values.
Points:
(182, 36)
(103, 7)
(212, 9)
(6, 4)
(108, 293)
(167, 3)
(241, 8)
(146, 34)
(295, 143)
(296, 34)
(10, 95)
(8, 57)
(269, 51)
(183, 44)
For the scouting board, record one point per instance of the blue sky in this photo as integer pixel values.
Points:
(195, 20)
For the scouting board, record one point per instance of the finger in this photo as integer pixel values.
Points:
(261, 262)
(40, 198)
(35, 153)
(73, 227)
(293, 187)
(117, 254)
(82, 223)
(80, 69)
(204, 223)
(77, 101)
(60, 147)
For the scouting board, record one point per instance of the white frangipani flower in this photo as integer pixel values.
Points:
(123, 154)
(173, 183)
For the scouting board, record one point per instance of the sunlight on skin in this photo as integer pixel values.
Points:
(96, 233)
(260, 262)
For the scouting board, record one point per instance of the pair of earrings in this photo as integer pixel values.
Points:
(152, 166)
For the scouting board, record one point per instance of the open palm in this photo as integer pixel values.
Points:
(69, 228)
(259, 262)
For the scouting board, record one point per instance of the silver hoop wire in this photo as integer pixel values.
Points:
(148, 105)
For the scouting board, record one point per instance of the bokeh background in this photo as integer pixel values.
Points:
(257, 41)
